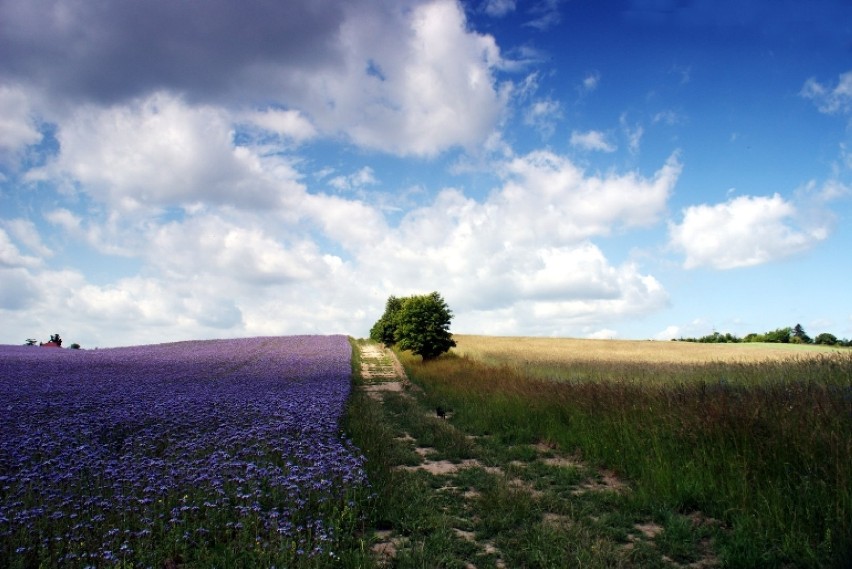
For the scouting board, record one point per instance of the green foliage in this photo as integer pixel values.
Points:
(799, 336)
(779, 336)
(423, 326)
(384, 330)
(715, 338)
(418, 323)
(826, 339)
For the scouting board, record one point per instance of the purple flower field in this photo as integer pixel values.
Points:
(220, 452)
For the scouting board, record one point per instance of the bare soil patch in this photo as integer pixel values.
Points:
(607, 481)
(442, 467)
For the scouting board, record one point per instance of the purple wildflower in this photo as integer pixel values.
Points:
(219, 435)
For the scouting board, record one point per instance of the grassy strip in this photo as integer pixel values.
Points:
(404, 501)
(507, 503)
(764, 447)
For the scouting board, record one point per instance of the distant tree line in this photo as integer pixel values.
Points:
(788, 335)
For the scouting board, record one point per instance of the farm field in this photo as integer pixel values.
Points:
(234, 453)
(611, 462)
(194, 454)
(558, 351)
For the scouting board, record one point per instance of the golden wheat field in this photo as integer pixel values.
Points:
(555, 351)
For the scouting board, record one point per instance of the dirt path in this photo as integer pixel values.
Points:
(378, 364)
(572, 499)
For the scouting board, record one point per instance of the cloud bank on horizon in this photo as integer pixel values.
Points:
(638, 169)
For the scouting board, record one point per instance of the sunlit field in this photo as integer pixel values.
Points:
(195, 454)
(756, 437)
(559, 453)
(558, 351)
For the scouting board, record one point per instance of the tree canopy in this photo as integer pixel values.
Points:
(419, 323)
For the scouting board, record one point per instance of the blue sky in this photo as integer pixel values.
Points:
(644, 169)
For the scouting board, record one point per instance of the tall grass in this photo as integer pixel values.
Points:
(764, 447)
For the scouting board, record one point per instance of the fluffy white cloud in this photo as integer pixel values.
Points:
(18, 290)
(545, 14)
(591, 140)
(27, 234)
(543, 115)
(633, 133)
(671, 332)
(205, 276)
(408, 78)
(213, 246)
(231, 241)
(668, 117)
(414, 82)
(289, 123)
(363, 177)
(155, 152)
(113, 236)
(498, 8)
(521, 258)
(351, 223)
(11, 256)
(742, 232)
(829, 99)
(591, 82)
(160, 152)
(548, 195)
(518, 259)
(66, 219)
(17, 125)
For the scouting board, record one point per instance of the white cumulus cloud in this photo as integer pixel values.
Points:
(591, 140)
(543, 115)
(17, 124)
(591, 82)
(289, 123)
(158, 152)
(742, 232)
(498, 8)
(523, 256)
(836, 99)
(413, 82)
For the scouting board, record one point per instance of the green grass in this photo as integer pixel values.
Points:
(518, 497)
(763, 447)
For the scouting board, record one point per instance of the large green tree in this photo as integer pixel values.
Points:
(384, 330)
(799, 336)
(826, 339)
(419, 323)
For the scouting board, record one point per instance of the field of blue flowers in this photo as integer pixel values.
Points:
(197, 454)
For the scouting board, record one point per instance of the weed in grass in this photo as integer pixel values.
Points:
(430, 431)
(679, 539)
(440, 548)
(559, 483)
(476, 479)
(505, 507)
(569, 545)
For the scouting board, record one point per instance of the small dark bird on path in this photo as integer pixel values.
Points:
(441, 412)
